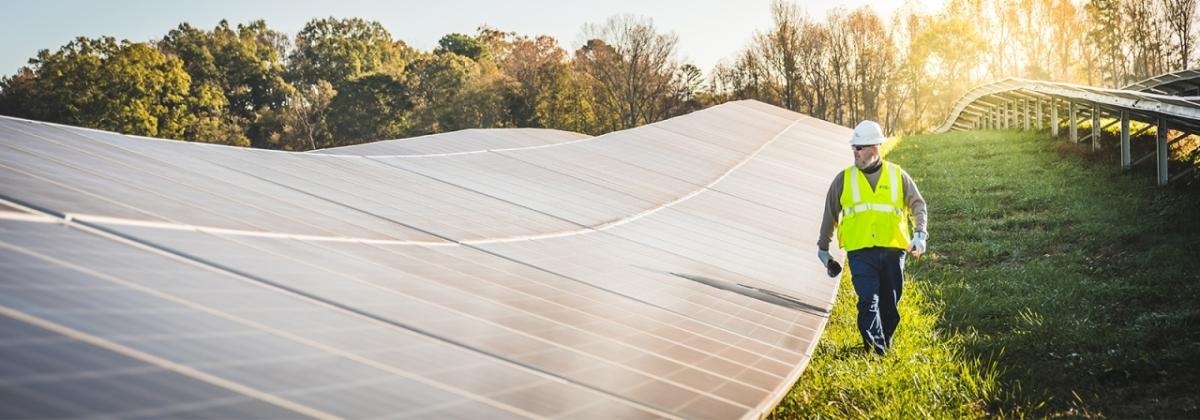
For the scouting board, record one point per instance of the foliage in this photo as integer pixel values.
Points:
(237, 74)
(630, 67)
(302, 123)
(344, 81)
(369, 108)
(909, 71)
(338, 50)
(247, 84)
(463, 45)
(127, 87)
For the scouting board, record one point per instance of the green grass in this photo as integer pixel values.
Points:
(1055, 285)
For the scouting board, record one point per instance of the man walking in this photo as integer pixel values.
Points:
(870, 204)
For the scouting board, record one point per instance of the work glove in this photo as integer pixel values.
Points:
(832, 268)
(917, 247)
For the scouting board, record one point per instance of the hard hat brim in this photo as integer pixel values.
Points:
(868, 141)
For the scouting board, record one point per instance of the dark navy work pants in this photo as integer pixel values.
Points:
(878, 276)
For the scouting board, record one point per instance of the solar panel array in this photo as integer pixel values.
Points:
(462, 141)
(1180, 83)
(661, 271)
(974, 107)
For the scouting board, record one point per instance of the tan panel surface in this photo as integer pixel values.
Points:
(463, 141)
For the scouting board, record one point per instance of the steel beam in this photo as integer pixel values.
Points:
(1142, 131)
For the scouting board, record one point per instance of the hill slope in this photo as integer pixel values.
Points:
(1054, 285)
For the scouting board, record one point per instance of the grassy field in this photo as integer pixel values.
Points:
(1055, 285)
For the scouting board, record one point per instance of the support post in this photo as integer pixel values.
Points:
(1125, 147)
(1095, 127)
(1039, 115)
(1072, 121)
(1054, 117)
(1161, 151)
(1004, 115)
(1008, 115)
(1025, 112)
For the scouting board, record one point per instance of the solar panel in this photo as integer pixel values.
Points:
(436, 298)
(190, 318)
(49, 374)
(661, 271)
(463, 141)
(533, 187)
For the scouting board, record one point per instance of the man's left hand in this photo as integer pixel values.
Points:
(917, 246)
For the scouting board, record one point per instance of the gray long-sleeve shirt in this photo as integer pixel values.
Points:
(833, 204)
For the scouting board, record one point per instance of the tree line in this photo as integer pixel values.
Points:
(907, 70)
(347, 81)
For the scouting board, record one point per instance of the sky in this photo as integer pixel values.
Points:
(708, 30)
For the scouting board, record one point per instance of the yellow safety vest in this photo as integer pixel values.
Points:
(873, 218)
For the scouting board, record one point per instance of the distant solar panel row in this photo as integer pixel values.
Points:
(661, 271)
(1183, 112)
(1180, 83)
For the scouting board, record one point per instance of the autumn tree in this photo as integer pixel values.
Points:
(1181, 16)
(127, 87)
(242, 64)
(440, 84)
(463, 45)
(302, 122)
(780, 48)
(745, 77)
(1144, 41)
(1066, 42)
(1105, 36)
(369, 108)
(872, 59)
(630, 66)
(943, 52)
(338, 50)
(816, 77)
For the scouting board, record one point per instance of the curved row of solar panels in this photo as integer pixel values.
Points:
(462, 141)
(661, 271)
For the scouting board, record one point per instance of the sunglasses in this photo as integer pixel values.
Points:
(858, 148)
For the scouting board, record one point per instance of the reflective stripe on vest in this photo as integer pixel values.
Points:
(859, 208)
(873, 218)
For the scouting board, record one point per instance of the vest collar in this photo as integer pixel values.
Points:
(873, 168)
(893, 182)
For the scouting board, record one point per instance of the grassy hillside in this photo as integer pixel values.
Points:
(1055, 285)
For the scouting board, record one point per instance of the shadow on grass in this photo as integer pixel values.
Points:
(1078, 279)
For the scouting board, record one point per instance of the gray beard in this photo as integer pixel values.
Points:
(868, 164)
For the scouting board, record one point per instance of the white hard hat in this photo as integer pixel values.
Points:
(867, 133)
